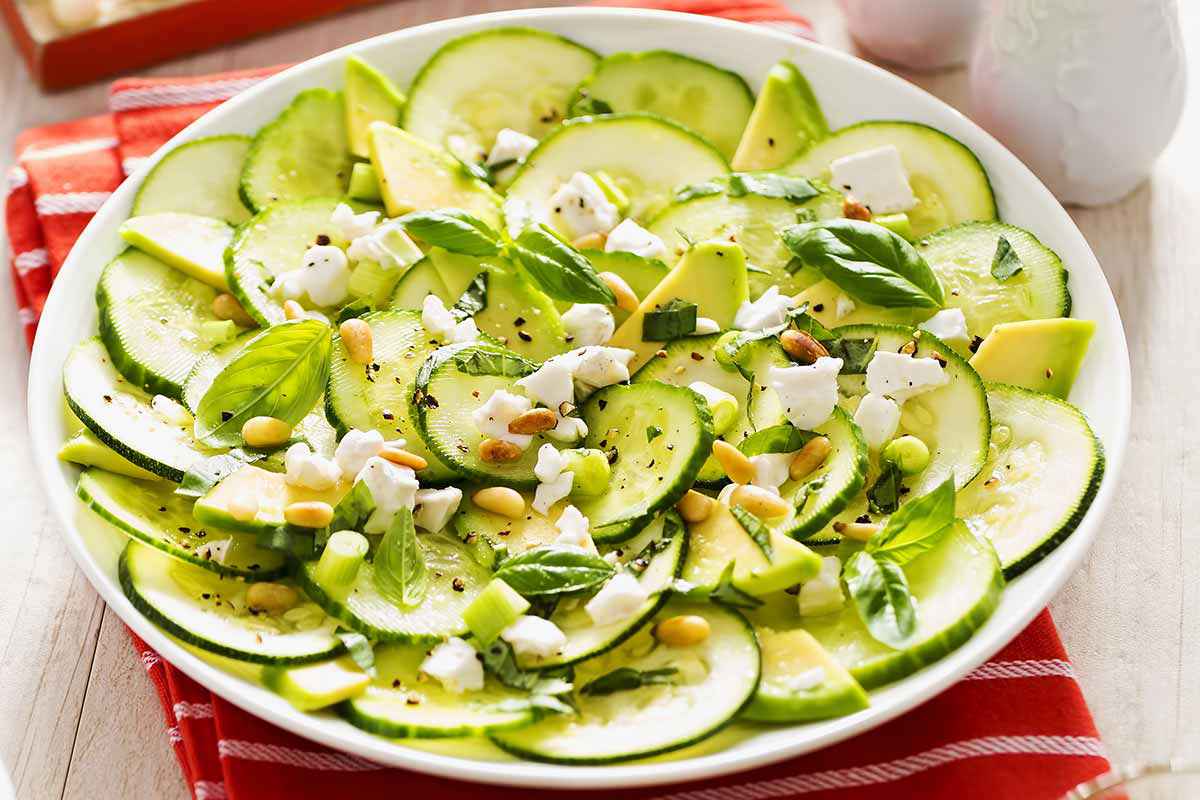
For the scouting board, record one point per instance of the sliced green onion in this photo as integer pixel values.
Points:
(364, 184)
(908, 453)
(591, 468)
(898, 224)
(676, 318)
(338, 567)
(722, 405)
(218, 331)
(496, 607)
(611, 190)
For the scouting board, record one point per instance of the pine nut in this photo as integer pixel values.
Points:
(626, 299)
(356, 336)
(802, 347)
(308, 514)
(759, 502)
(226, 306)
(265, 432)
(908, 348)
(860, 531)
(500, 500)
(810, 457)
(682, 631)
(534, 420)
(695, 507)
(293, 310)
(498, 451)
(735, 463)
(271, 598)
(398, 455)
(593, 241)
(852, 209)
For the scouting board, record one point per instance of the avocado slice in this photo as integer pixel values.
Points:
(84, 448)
(789, 655)
(415, 175)
(720, 539)
(822, 299)
(190, 243)
(786, 119)
(314, 686)
(271, 490)
(370, 97)
(1039, 354)
(710, 274)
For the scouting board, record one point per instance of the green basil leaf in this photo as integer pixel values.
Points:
(500, 661)
(554, 570)
(653, 432)
(881, 596)
(280, 373)
(560, 270)
(491, 361)
(296, 542)
(672, 527)
(670, 321)
(806, 491)
(473, 299)
(622, 679)
(587, 106)
(917, 527)
(855, 354)
(354, 509)
(454, 230)
(884, 495)
(354, 310)
(803, 321)
(694, 190)
(479, 172)
(359, 648)
(755, 529)
(769, 184)
(783, 438)
(208, 472)
(400, 571)
(1006, 262)
(868, 262)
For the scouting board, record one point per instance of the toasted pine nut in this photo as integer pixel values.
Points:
(226, 306)
(356, 336)
(535, 420)
(593, 241)
(498, 451)
(811, 456)
(852, 209)
(802, 347)
(265, 432)
(759, 502)
(308, 514)
(684, 630)
(735, 463)
(293, 310)
(695, 507)
(500, 500)
(272, 598)
(398, 455)
(908, 348)
(626, 299)
(861, 531)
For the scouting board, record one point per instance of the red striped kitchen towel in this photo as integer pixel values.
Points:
(1017, 727)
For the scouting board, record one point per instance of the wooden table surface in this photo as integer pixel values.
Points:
(78, 718)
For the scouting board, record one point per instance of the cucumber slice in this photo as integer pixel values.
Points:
(402, 703)
(950, 184)
(312, 686)
(151, 513)
(785, 122)
(208, 367)
(716, 679)
(150, 320)
(493, 537)
(119, 415)
(711, 101)
(85, 449)
(420, 280)
(377, 397)
(271, 243)
(209, 611)
(302, 153)
(370, 97)
(200, 177)
(192, 244)
(454, 581)
(785, 693)
(647, 476)
(474, 85)
(666, 156)
(1043, 472)
(270, 490)
(962, 259)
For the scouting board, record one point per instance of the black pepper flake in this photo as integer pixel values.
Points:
(602, 403)
(613, 455)
(503, 533)
(819, 307)
(108, 398)
(863, 519)
(322, 239)
(388, 415)
(184, 529)
(475, 394)
(226, 416)
(1049, 373)
(519, 321)
(396, 683)
(524, 337)
(975, 342)
(651, 464)
(162, 508)
(770, 141)
(458, 585)
(206, 596)
(431, 401)
(412, 701)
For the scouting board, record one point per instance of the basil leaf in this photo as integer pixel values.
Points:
(354, 509)
(768, 184)
(280, 373)
(884, 495)
(554, 570)
(783, 438)
(360, 650)
(479, 172)
(881, 596)
(672, 527)
(354, 310)
(670, 321)
(694, 190)
(560, 270)
(491, 361)
(855, 354)
(500, 661)
(868, 261)
(653, 432)
(296, 542)
(917, 527)
(723, 593)
(806, 491)
(754, 527)
(208, 472)
(622, 679)
(587, 106)
(454, 230)
(1006, 262)
(473, 299)
(803, 321)
(400, 571)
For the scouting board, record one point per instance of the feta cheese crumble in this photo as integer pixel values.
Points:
(900, 376)
(349, 225)
(619, 600)
(808, 393)
(876, 178)
(949, 325)
(706, 326)
(325, 277)
(573, 529)
(555, 483)
(534, 636)
(589, 323)
(823, 594)
(769, 310)
(843, 307)
(509, 146)
(808, 679)
(435, 507)
(392, 487)
(879, 417)
(633, 238)
(501, 408)
(308, 470)
(170, 411)
(355, 448)
(389, 245)
(771, 470)
(456, 665)
(581, 207)
(598, 367)
(443, 325)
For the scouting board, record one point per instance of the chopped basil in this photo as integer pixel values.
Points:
(783, 438)
(880, 593)
(491, 361)
(558, 269)
(917, 527)
(359, 648)
(454, 230)
(1006, 262)
(473, 299)
(855, 354)
(768, 184)
(587, 106)
(622, 679)
(723, 593)
(670, 321)
(208, 472)
(755, 529)
(884, 495)
(400, 571)
(554, 570)
(692, 191)
(653, 432)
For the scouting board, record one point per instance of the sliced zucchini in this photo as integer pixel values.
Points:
(666, 156)
(151, 321)
(208, 367)
(950, 184)
(455, 578)
(493, 537)
(303, 153)
(370, 97)
(1044, 469)
(715, 679)
(518, 78)
(402, 703)
(312, 686)
(151, 512)
(210, 611)
(801, 682)
(420, 280)
(195, 245)
(271, 493)
(85, 449)
(711, 101)
(200, 177)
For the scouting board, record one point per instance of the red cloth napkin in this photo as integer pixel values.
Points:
(1016, 727)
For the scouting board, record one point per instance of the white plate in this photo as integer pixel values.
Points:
(850, 90)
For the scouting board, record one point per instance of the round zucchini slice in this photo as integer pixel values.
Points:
(200, 177)
(801, 682)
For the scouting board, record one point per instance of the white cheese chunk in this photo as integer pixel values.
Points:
(823, 594)
(552, 384)
(633, 238)
(534, 636)
(588, 323)
(771, 470)
(876, 178)
(769, 310)
(602, 366)
(519, 214)
(949, 325)
(324, 277)
(843, 307)
(389, 245)
(170, 411)
(580, 207)
(501, 408)
(900, 377)
(355, 448)
(392, 487)
(456, 665)
(349, 225)
(509, 146)
(550, 492)
(569, 430)
(435, 507)
(706, 326)
(808, 393)
(619, 600)
(550, 463)
(308, 470)
(443, 325)
(879, 417)
(574, 529)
